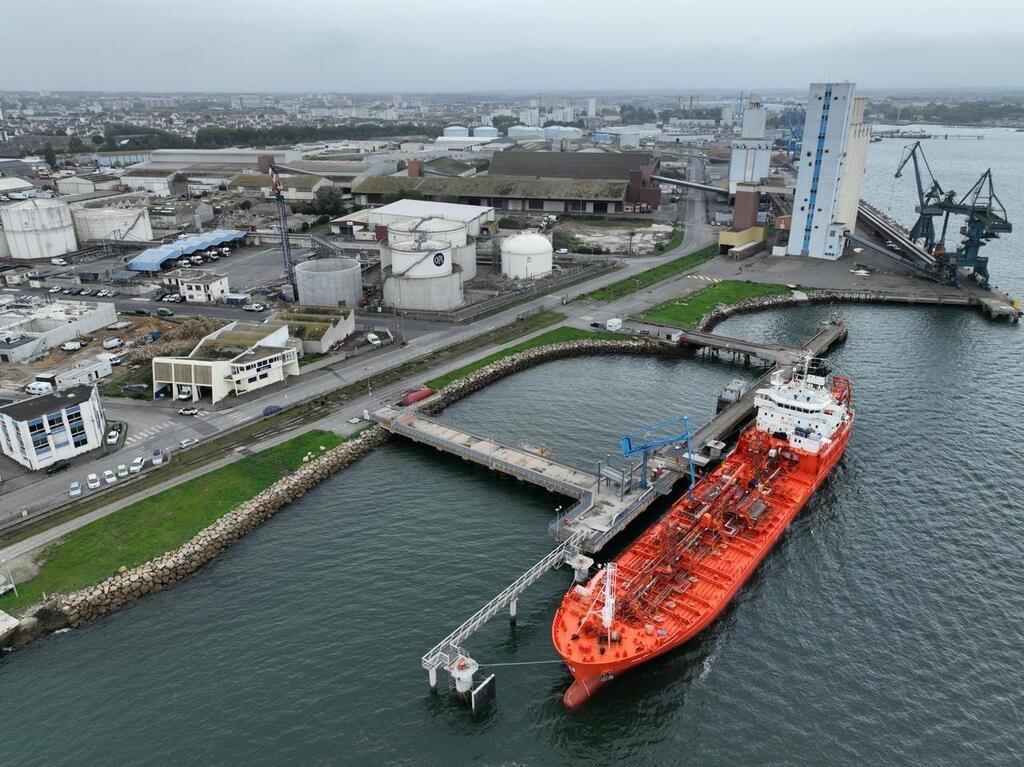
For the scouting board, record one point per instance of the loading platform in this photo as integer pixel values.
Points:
(606, 501)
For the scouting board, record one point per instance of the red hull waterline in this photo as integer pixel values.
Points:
(678, 576)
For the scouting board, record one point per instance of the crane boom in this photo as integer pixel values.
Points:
(282, 222)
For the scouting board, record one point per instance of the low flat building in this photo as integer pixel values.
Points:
(294, 188)
(17, 187)
(318, 328)
(236, 359)
(39, 431)
(153, 177)
(542, 195)
(88, 182)
(28, 332)
(198, 286)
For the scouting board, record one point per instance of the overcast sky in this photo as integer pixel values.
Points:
(408, 46)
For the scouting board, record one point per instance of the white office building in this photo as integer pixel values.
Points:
(39, 431)
(816, 230)
(857, 140)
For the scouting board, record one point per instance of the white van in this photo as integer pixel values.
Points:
(614, 325)
(39, 387)
(184, 392)
(112, 343)
(71, 346)
(112, 359)
(373, 339)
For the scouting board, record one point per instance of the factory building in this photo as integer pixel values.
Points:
(816, 230)
(29, 331)
(294, 188)
(36, 229)
(526, 256)
(635, 168)
(155, 178)
(88, 182)
(329, 282)
(229, 156)
(447, 167)
(542, 195)
(15, 188)
(40, 431)
(857, 139)
(751, 154)
(342, 173)
(236, 359)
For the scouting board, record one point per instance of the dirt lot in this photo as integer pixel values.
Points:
(18, 376)
(612, 236)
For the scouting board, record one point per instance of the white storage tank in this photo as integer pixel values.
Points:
(456, 130)
(485, 131)
(526, 256)
(130, 224)
(525, 132)
(428, 258)
(38, 228)
(329, 282)
(455, 233)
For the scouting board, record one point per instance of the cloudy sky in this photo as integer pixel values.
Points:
(457, 45)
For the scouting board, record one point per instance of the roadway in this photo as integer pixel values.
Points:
(156, 425)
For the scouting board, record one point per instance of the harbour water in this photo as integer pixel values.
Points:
(886, 627)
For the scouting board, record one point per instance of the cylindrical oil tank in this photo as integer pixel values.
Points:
(526, 256)
(525, 132)
(432, 293)
(38, 229)
(419, 260)
(434, 228)
(329, 282)
(485, 131)
(456, 130)
(130, 224)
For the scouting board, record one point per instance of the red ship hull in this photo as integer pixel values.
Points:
(678, 576)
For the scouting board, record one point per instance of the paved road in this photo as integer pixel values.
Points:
(154, 425)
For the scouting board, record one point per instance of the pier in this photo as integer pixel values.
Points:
(607, 499)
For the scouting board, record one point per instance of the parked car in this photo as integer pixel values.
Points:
(58, 262)
(163, 311)
(141, 311)
(74, 489)
(85, 292)
(562, 251)
(113, 343)
(57, 466)
(102, 293)
(71, 346)
(137, 465)
(92, 481)
(67, 291)
(109, 477)
(112, 436)
(187, 442)
(184, 392)
(157, 458)
(177, 299)
(111, 293)
(55, 289)
(254, 308)
(189, 411)
(373, 339)
(271, 409)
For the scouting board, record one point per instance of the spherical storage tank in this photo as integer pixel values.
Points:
(456, 130)
(329, 282)
(526, 256)
(38, 229)
(485, 131)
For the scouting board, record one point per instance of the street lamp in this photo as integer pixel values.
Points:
(636, 288)
(367, 371)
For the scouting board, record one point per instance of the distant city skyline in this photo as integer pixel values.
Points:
(360, 46)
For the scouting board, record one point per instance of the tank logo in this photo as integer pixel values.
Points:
(438, 259)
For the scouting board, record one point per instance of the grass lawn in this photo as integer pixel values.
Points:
(609, 223)
(124, 374)
(551, 337)
(675, 240)
(162, 522)
(652, 276)
(685, 312)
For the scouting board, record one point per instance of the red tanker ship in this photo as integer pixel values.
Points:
(679, 575)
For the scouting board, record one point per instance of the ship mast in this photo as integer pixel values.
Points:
(608, 609)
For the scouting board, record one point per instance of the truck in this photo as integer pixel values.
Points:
(237, 299)
(614, 325)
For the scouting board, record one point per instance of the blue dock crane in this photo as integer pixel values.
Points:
(660, 434)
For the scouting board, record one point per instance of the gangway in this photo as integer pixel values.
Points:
(448, 654)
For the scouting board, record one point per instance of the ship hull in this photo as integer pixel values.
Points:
(713, 586)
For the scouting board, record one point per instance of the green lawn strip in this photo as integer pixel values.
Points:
(162, 522)
(686, 311)
(652, 276)
(551, 337)
(611, 223)
(675, 241)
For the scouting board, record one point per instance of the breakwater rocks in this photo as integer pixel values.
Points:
(507, 366)
(128, 584)
(723, 312)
